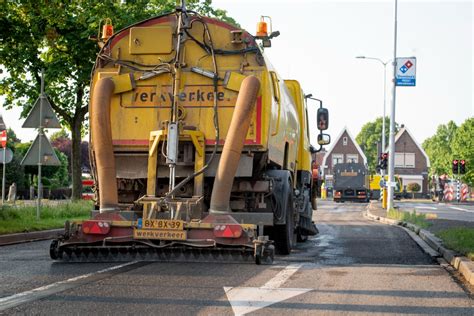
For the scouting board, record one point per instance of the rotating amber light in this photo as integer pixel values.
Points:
(107, 29)
(262, 29)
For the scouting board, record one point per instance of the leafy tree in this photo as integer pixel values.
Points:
(12, 139)
(438, 149)
(63, 143)
(368, 137)
(59, 135)
(462, 147)
(53, 35)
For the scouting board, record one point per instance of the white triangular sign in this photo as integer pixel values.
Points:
(48, 155)
(249, 299)
(48, 119)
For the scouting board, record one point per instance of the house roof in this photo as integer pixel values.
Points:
(400, 133)
(337, 140)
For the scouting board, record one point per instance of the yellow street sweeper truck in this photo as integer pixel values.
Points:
(199, 150)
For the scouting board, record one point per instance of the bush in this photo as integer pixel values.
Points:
(413, 187)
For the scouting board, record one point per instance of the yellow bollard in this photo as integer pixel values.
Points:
(323, 192)
(384, 198)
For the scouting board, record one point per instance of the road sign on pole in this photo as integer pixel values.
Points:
(42, 114)
(2, 124)
(406, 72)
(44, 155)
(3, 138)
(8, 155)
(41, 152)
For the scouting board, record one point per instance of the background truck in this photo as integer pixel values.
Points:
(374, 186)
(199, 149)
(350, 182)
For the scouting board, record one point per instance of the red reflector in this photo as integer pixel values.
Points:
(95, 227)
(228, 231)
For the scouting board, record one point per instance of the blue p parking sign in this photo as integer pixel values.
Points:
(406, 72)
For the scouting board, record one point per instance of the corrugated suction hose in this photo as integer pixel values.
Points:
(101, 133)
(229, 162)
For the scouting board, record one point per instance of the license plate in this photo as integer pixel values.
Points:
(159, 234)
(161, 224)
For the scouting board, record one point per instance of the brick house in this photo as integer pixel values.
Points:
(411, 161)
(343, 149)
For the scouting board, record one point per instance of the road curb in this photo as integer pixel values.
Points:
(11, 239)
(464, 265)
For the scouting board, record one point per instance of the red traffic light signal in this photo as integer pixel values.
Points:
(455, 166)
(462, 166)
(383, 160)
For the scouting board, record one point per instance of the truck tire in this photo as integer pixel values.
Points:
(285, 235)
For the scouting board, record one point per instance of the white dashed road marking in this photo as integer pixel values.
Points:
(47, 290)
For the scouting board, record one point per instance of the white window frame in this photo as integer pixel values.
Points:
(344, 141)
(405, 160)
(352, 158)
(338, 157)
(410, 157)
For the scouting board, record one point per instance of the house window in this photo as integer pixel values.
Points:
(344, 141)
(337, 158)
(404, 160)
(351, 158)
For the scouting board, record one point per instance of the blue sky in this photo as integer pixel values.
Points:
(320, 39)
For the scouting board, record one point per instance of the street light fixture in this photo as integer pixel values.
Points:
(384, 63)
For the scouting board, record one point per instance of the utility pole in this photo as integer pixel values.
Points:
(391, 156)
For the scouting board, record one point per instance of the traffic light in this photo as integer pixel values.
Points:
(462, 166)
(383, 160)
(455, 166)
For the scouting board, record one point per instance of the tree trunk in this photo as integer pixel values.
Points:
(76, 157)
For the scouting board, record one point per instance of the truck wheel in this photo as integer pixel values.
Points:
(285, 234)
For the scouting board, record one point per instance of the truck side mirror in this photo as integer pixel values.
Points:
(324, 139)
(323, 119)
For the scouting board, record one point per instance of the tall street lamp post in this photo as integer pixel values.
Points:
(384, 93)
(391, 152)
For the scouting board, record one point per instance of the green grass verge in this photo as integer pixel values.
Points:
(20, 219)
(459, 239)
(418, 219)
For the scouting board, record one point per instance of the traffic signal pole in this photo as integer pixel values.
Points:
(391, 152)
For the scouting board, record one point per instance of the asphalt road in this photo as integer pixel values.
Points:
(459, 212)
(353, 266)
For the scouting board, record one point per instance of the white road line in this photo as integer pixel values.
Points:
(43, 291)
(279, 279)
(459, 209)
(249, 299)
(425, 207)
